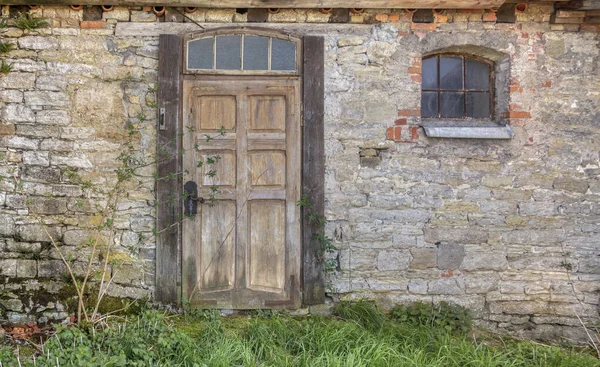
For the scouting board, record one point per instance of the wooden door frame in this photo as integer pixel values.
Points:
(169, 190)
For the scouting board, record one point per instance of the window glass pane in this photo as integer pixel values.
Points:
(478, 75)
(283, 55)
(200, 54)
(256, 53)
(228, 52)
(429, 104)
(452, 105)
(451, 73)
(430, 73)
(478, 105)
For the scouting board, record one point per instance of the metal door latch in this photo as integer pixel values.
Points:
(161, 119)
(191, 198)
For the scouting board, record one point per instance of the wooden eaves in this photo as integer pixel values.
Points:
(385, 4)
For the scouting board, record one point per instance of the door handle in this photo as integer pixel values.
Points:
(191, 198)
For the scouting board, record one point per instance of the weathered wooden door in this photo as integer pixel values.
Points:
(242, 249)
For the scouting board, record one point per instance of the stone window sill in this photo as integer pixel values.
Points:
(467, 130)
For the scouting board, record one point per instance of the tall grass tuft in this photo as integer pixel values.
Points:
(362, 312)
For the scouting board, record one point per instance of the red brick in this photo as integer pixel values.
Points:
(416, 78)
(489, 17)
(414, 71)
(400, 122)
(515, 107)
(414, 133)
(394, 17)
(518, 115)
(524, 35)
(382, 17)
(571, 27)
(397, 133)
(414, 112)
(423, 26)
(590, 27)
(147, 8)
(440, 18)
(389, 134)
(417, 62)
(515, 90)
(547, 84)
(92, 24)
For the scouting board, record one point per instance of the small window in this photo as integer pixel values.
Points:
(456, 87)
(232, 52)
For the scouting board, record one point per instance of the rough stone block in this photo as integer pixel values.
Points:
(127, 274)
(474, 261)
(481, 283)
(51, 206)
(46, 98)
(17, 113)
(41, 174)
(38, 43)
(7, 225)
(53, 117)
(11, 96)
(393, 260)
(51, 82)
(357, 259)
(450, 256)
(579, 186)
(51, 268)
(456, 235)
(446, 286)
(35, 233)
(8, 267)
(16, 80)
(26, 268)
(36, 158)
(76, 237)
(423, 258)
(417, 286)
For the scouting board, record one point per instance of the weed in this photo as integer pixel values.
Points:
(5, 67)
(452, 318)
(6, 47)
(29, 21)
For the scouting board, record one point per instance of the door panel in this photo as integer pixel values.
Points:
(242, 250)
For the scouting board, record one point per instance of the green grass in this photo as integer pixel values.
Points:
(349, 339)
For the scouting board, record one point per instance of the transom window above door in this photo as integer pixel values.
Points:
(242, 52)
(457, 87)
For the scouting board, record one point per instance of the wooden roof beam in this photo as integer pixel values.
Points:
(396, 4)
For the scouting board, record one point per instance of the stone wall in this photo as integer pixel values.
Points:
(507, 228)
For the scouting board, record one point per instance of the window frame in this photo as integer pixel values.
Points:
(249, 31)
(492, 86)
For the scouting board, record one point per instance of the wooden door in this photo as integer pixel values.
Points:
(242, 249)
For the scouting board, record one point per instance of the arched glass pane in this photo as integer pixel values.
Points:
(430, 73)
(228, 52)
(283, 55)
(451, 73)
(200, 54)
(478, 75)
(256, 53)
